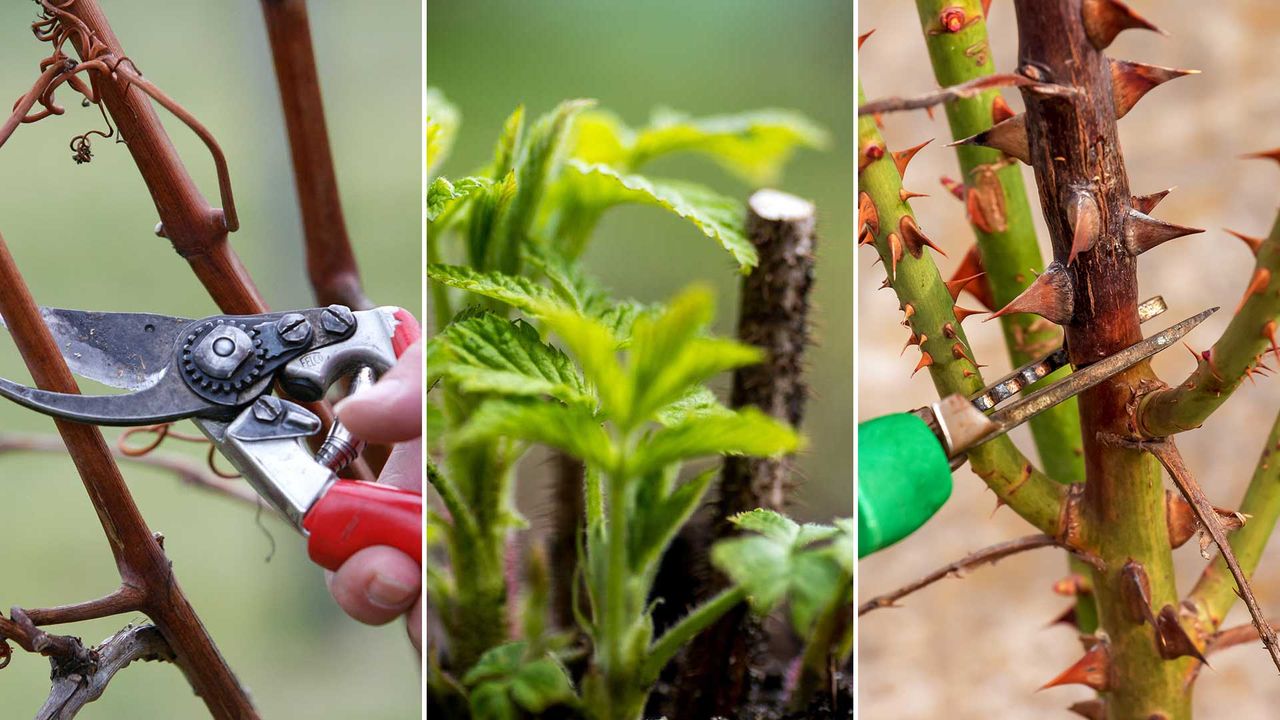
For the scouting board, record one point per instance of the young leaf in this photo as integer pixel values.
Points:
(700, 402)
(578, 290)
(489, 208)
(779, 560)
(540, 684)
(752, 145)
(659, 521)
(518, 292)
(571, 428)
(490, 354)
(597, 186)
(746, 432)
(668, 357)
(535, 685)
(445, 197)
(442, 128)
(596, 349)
(599, 136)
(535, 163)
(489, 701)
(504, 153)
(821, 576)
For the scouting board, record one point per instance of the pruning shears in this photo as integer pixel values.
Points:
(219, 372)
(905, 460)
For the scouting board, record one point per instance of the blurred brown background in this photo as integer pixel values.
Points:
(979, 647)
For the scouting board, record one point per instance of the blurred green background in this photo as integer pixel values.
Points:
(705, 58)
(83, 237)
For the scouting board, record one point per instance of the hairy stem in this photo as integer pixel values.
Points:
(680, 634)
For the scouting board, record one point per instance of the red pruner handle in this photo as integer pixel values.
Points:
(353, 515)
(408, 331)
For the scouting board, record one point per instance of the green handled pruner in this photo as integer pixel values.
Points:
(905, 460)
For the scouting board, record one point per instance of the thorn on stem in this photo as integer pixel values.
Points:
(1105, 19)
(1051, 297)
(1008, 136)
(902, 158)
(1092, 670)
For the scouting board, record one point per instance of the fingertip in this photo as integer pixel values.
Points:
(377, 585)
(391, 409)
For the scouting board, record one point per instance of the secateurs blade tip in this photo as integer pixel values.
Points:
(961, 423)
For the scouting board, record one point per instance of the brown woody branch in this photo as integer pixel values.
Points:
(773, 315)
(139, 558)
(945, 95)
(986, 556)
(331, 264)
(73, 688)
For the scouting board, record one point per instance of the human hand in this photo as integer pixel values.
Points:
(379, 584)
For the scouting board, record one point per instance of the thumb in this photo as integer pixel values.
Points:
(391, 409)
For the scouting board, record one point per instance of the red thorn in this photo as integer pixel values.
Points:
(1273, 154)
(1131, 80)
(957, 352)
(986, 8)
(925, 361)
(966, 373)
(963, 314)
(1104, 19)
(1254, 243)
(1091, 670)
(1008, 136)
(905, 194)
(954, 187)
(1172, 639)
(1143, 232)
(948, 331)
(957, 285)
(1066, 617)
(863, 37)
(1086, 223)
(868, 215)
(912, 339)
(1178, 516)
(914, 239)
(907, 311)
(902, 158)
(973, 207)
(1050, 296)
(1000, 111)
(971, 266)
(1146, 203)
(1095, 709)
(895, 252)
(1257, 285)
(1269, 332)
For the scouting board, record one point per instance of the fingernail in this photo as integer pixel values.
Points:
(389, 592)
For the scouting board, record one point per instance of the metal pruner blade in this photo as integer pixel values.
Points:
(964, 426)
